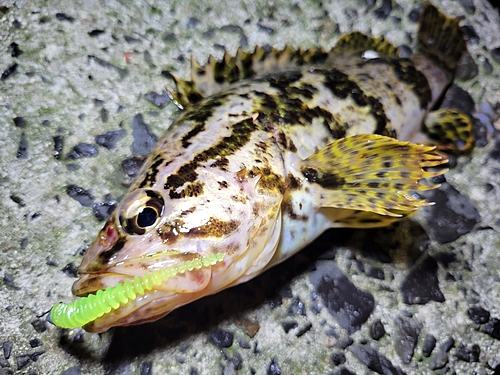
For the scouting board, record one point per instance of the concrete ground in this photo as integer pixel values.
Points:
(420, 297)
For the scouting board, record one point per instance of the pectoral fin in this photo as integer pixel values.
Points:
(372, 173)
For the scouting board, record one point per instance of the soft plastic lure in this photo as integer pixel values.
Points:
(93, 306)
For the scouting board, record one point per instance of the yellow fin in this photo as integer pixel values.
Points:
(356, 42)
(372, 173)
(215, 76)
(449, 129)
(440, 37)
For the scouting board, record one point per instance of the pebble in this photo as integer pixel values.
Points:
(406, 338)
(466, 354)
(159, 100)
(82, 196)
(453, 215)
(274, 368)
(492, 328)
(144, 140)
(422, 284)
(22, 149)
(75, 370)
(82, 150)
(429, 345)
(349, 305)
(377, 330)
(10, 71)
(221, 338)
(375, 361)
(478, 315)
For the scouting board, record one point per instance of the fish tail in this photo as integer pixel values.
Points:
(440, 38)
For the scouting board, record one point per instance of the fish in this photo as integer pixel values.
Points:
(272, 148)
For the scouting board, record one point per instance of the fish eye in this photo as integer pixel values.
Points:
(147, 217)
(141, 211)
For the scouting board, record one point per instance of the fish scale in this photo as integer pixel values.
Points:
(272, 148)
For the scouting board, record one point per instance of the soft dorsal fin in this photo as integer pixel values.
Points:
(357, 43)
(215, 75)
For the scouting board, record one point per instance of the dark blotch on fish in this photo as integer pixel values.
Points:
(240, 135)
(105, 256)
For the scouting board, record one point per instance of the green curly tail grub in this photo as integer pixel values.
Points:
(93, 306)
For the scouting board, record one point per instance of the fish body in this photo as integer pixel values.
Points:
(273, 148)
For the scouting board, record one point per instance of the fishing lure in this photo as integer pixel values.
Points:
(88, 309)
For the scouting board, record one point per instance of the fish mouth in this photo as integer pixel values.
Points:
(90, 283)
(147, 308)
(114, 299)
(150, 306)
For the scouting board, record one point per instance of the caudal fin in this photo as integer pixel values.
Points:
(440, 37)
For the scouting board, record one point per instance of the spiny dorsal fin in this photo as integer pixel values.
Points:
(357, 43)
(215, 75)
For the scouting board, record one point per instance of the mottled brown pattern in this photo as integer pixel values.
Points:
(213, 228)
(240, 135)
(269, 181)
(287, 207)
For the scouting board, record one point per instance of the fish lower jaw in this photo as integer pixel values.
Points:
(149, 307)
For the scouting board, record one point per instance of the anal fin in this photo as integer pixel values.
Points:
(372, 173)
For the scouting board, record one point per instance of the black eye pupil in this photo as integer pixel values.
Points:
(146, 217)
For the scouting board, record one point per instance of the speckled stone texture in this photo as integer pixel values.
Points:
(82, 101)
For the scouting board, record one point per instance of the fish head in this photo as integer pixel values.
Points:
(151, 231)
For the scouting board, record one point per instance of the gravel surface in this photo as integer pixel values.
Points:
(83, 100)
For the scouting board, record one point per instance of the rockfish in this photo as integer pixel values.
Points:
(272, 148)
